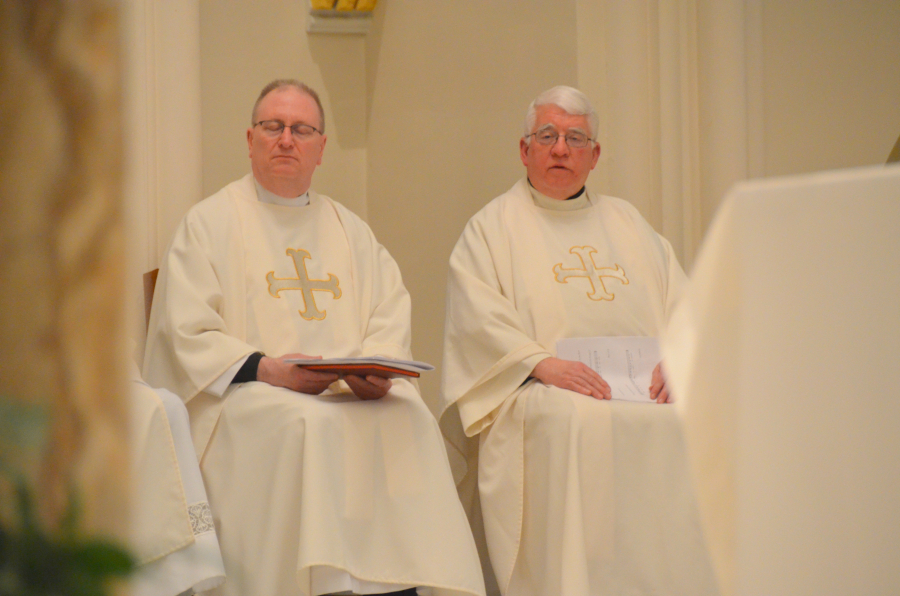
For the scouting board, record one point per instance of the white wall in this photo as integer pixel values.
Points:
(245, 44)
(162, 124)
(424, 114)
(449, 86)
(831, 84)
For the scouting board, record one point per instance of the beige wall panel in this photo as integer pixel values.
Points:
(631, 153)
(637, 61)
(174, 93)
(163, 161)
(722, 100)
(831, 84)
(243, 46)
(449, 85)
(424, 113)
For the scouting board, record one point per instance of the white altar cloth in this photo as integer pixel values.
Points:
(783, 356)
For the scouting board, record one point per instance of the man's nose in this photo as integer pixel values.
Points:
(286, 138)
(560, 147)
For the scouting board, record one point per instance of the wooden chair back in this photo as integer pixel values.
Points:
(149, 288)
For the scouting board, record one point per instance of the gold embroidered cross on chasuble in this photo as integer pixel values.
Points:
(306, 285)
(590, 271)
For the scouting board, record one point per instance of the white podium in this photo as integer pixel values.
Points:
(785, 359)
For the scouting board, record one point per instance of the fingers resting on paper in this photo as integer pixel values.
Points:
(571, 375)
(659, 391)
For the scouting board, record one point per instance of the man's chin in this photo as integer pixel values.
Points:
(560, 177)
(561, 180)
(285, 169)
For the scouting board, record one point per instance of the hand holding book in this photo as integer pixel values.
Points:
(379, 366)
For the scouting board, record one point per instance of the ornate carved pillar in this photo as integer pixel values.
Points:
(61, 299)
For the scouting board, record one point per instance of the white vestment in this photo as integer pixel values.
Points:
(579, 496)
(304, 485)
(173, 536)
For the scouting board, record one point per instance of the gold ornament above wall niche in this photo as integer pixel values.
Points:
(352, 17)
(361, 5)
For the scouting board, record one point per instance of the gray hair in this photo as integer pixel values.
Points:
(281, 84)
(570, 100)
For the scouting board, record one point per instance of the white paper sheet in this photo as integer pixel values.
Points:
(625, 363)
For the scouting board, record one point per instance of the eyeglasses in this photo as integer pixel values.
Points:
(575, 140)
(274, 128)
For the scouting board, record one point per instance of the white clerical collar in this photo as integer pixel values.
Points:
(265, 196)
(541, 200)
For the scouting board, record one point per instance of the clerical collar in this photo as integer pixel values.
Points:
(579, 200)
(271, 198)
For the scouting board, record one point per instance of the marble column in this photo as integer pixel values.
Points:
(61, 296)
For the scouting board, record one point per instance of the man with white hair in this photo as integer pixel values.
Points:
(579, 494)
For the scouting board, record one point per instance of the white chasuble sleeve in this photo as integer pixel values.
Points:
(488, 350)
(671, 277)
(384, 303)
(189, 343)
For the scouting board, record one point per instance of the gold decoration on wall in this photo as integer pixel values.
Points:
(340, 16)
(360, 5)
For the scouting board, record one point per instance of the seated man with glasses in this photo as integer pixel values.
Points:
(579, 494)
(319, 485)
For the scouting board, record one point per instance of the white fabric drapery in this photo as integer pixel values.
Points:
(162, 131)
(673, 83)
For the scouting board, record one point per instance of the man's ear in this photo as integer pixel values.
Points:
(322, 150)
(523, 150)
(596, 155)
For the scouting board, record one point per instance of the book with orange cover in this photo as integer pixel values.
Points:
(380, 366)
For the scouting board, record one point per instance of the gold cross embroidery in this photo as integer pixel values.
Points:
(306, 285)
(590, 271)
